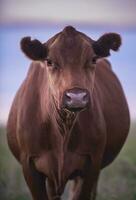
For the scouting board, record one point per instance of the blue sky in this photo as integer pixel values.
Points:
(14, 65)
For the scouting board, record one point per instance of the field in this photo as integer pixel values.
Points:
(117, 182)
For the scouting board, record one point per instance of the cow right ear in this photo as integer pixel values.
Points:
(33, 49)
(107, 42)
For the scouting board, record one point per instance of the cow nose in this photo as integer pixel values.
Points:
(76, 99)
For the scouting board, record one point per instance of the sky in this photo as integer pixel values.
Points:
(42, 19)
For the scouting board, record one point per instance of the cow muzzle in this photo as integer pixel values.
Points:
(75, 99)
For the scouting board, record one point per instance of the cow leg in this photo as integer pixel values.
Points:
(94, 191)
(83, 189)
(35, 181)
(87, 189)
(75, 188)
(52, 192)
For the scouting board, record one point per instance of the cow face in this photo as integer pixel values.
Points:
(70, 59)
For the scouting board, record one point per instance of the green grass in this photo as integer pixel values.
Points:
(117, 181)
(12, 184)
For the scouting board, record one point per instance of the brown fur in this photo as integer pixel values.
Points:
(33, 49)
(54, 145)
(108, 41)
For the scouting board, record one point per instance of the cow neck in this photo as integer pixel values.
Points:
(68, 120)
(62, 120)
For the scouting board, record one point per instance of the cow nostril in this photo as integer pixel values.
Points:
(68, 97)
(85, 97)
(76, 99)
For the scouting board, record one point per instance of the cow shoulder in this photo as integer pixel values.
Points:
(111, 95)
(27, 92)
(115, 109)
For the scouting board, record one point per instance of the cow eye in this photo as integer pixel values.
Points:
(52, 65)
(49, 62)
(94, 60)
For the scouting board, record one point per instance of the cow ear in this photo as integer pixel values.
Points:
(106, 42)
(33, 49)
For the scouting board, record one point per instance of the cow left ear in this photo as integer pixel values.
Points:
(33, 49)
(106, 42)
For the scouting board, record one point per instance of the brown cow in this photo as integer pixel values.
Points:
(69, 118)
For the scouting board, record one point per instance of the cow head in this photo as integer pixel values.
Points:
(70, 59)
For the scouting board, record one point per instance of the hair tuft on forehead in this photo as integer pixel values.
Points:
(69, 30)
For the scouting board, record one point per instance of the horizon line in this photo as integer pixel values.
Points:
(50, 24)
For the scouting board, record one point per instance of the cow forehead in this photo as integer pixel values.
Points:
(70, 45)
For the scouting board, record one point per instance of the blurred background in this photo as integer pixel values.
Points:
(42, 19)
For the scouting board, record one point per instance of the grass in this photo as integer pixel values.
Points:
(12, 184)
(117, 181)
